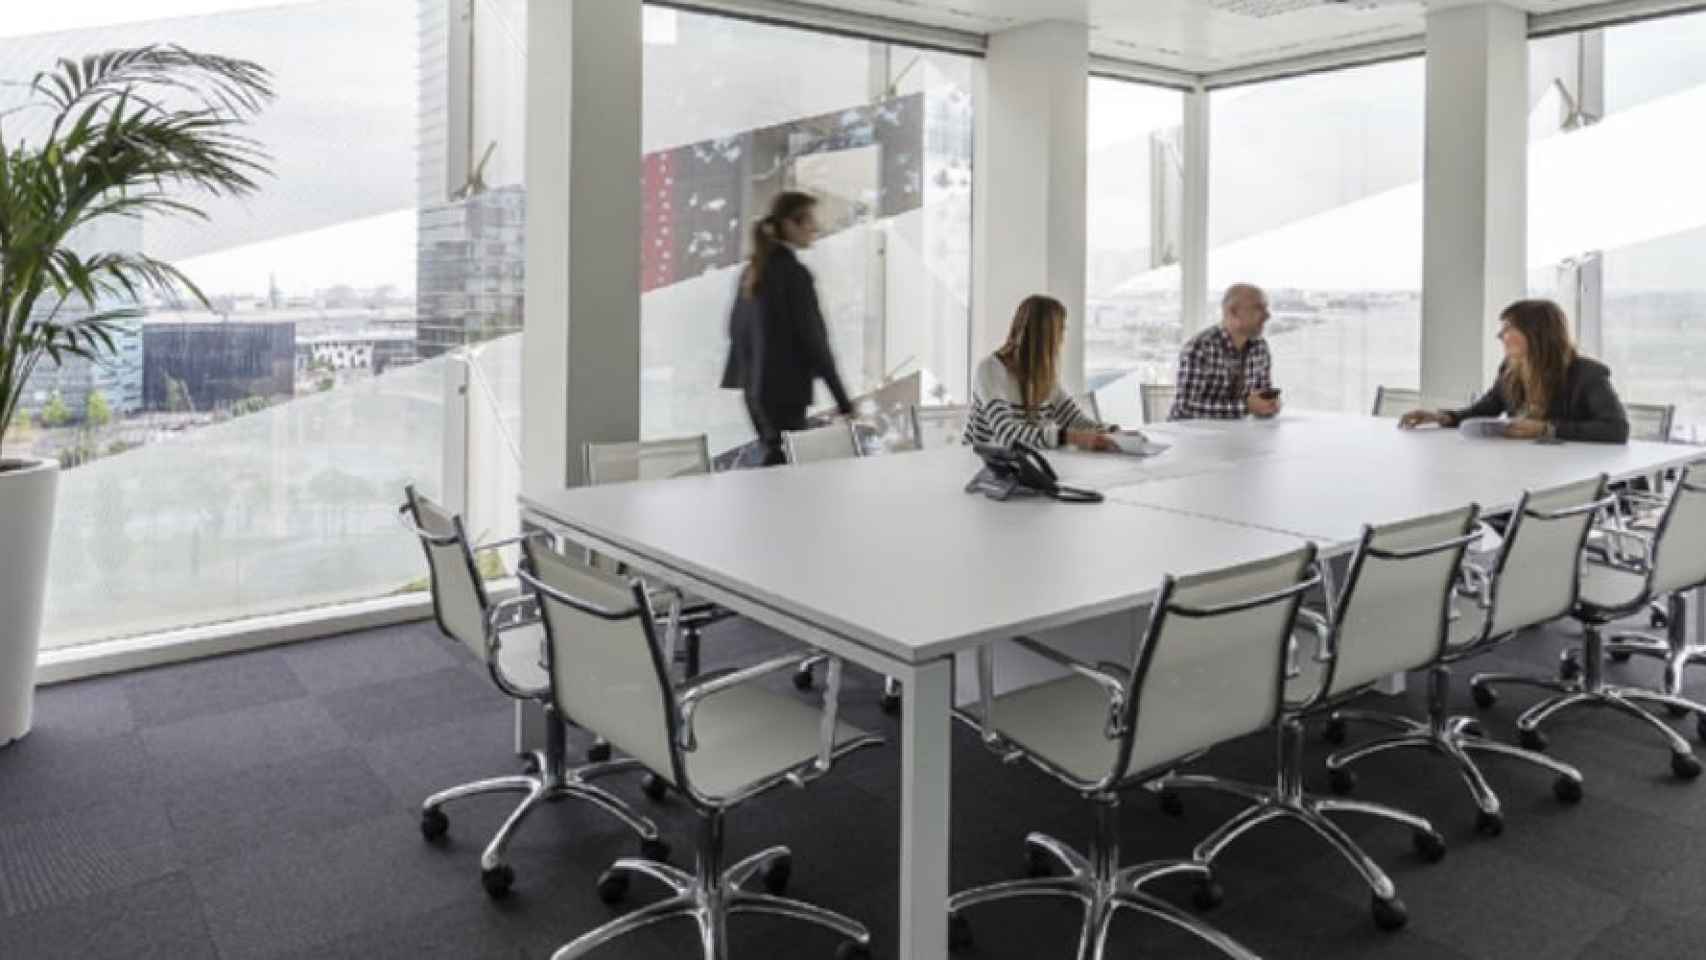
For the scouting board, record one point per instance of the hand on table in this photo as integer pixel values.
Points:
(1262, 406)
(1416, 418)
(1091, 440)
(1525, 429)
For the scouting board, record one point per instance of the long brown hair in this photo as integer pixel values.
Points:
(767, 233)
(1032, 351)
(1531, 382)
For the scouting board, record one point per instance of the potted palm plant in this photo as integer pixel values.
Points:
(141, 132)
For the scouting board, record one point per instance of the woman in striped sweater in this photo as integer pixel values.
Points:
(1016, 393)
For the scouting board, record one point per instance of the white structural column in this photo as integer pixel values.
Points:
(1193, 229)
(581, 372)
(1028, 208)
(1475, 185)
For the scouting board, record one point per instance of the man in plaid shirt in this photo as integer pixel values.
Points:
(1224, 370)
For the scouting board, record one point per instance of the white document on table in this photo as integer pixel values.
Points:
(1136, 444)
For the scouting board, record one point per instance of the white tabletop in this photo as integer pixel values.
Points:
(891, 553)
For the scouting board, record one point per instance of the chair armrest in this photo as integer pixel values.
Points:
(707, 685)
(1324, 653)
(507, 541)
(1479, 582)
(1621, 536)
(517, 611)
(1112, 685)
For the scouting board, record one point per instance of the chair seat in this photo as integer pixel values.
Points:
(522, 658)
(747, 734)
(1608, 593)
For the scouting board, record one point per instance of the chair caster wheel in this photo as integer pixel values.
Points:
(1620, 656)
(1334, 731)
(654, 787)
(1567, 790)
(1657, 620)
(1489, 824)
(803, 680)
(1473, 729)
(497, 881)
(1390, 914)
(598, 753)
(853, 950)
(1684, 765)
(1341, 781)
(1429, 846)
(1207, 893)
(1569, 668)
(777, 875)
(890, 703)
(655, 849)
(1172, 804)
(1532, 740)
(959, 932)
(1484, 696)
(434, 824)
(612, 887)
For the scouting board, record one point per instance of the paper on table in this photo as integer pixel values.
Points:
(1136, 444)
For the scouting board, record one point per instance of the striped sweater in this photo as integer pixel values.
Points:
(998, 413)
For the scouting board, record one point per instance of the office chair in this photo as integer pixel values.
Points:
(942, 426)
(1389, 616)
(1671, 561)
(1532, 581)
(1650, 422)
(1394, 402)
(1205, 669)
(1089, 406)
(1157, 399)
(465, 613)
(720, 740)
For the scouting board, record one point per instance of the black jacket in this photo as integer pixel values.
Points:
(1586, 409)
(778, 344)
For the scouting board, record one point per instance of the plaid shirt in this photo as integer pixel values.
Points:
(1215, 378)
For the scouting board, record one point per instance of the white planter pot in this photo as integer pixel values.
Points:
(26, 529)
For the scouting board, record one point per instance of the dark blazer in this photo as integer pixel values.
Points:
(1586, 409)
(778, 344)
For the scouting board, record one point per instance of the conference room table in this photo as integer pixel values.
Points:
(886, 562)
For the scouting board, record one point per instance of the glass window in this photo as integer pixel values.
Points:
(737, 111)
(1617, 210)
(1134, 181)
(1315, 195)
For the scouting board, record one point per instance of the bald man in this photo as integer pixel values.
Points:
(1225, 371)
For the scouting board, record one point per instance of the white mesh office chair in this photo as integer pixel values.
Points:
(941, 426)
(1671, 561)
(1531, 581)
(1205, 669)
(466, 614)
(1394, 402)
(1650, 422)
(1157, 399)
(1089, 406)
(719, 740)
(1389, 616)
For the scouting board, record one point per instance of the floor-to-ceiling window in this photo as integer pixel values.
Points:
(1315, 194)
(1617, 206)
(246, 456)
(737, 111)
(1133, 216)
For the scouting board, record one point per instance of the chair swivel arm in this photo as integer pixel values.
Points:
(1326, 640)
(708, 685)
(1113, 686)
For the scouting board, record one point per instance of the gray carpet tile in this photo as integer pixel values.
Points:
(93, 710)
(49, 773)
(230, 743)
(212, 686)
(377, 656)
(414, 764)
(49, 862)
(156, 920)
(411, 703)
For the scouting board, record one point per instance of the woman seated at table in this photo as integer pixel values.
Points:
(1016, 394)
(1544, 386)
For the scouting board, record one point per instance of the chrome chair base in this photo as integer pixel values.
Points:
(709, 896)
(553, 780)
(1590, 688)
(1099, 885)
(1454, 738)
(1287, 800)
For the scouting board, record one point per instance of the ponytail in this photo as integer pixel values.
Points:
(767, 233)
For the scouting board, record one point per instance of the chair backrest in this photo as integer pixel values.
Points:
(1157, 400)
(1650, 421)
(1395, 401)
(1679, 541)
(943, 426)
(1089, 406)
(606, 672)
(1536, 574)
(646, 459)
(1214, 638)
(459, 600)
(1391, 614)
(837, 441)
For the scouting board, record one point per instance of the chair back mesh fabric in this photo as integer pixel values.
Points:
(1540, 562)
(934, 427)
(605, 675)
(1679, 554)
(1395, 401)
(1650, 421)
(1230, 660)
(834, 442)
(647, 460)
(458, 598)
(1157, 400)
(1391, 613)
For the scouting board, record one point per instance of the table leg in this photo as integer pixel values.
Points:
(924, 758)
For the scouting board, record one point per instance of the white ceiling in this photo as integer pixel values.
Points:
(1196, 36)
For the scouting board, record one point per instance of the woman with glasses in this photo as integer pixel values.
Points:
(1545, 388)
